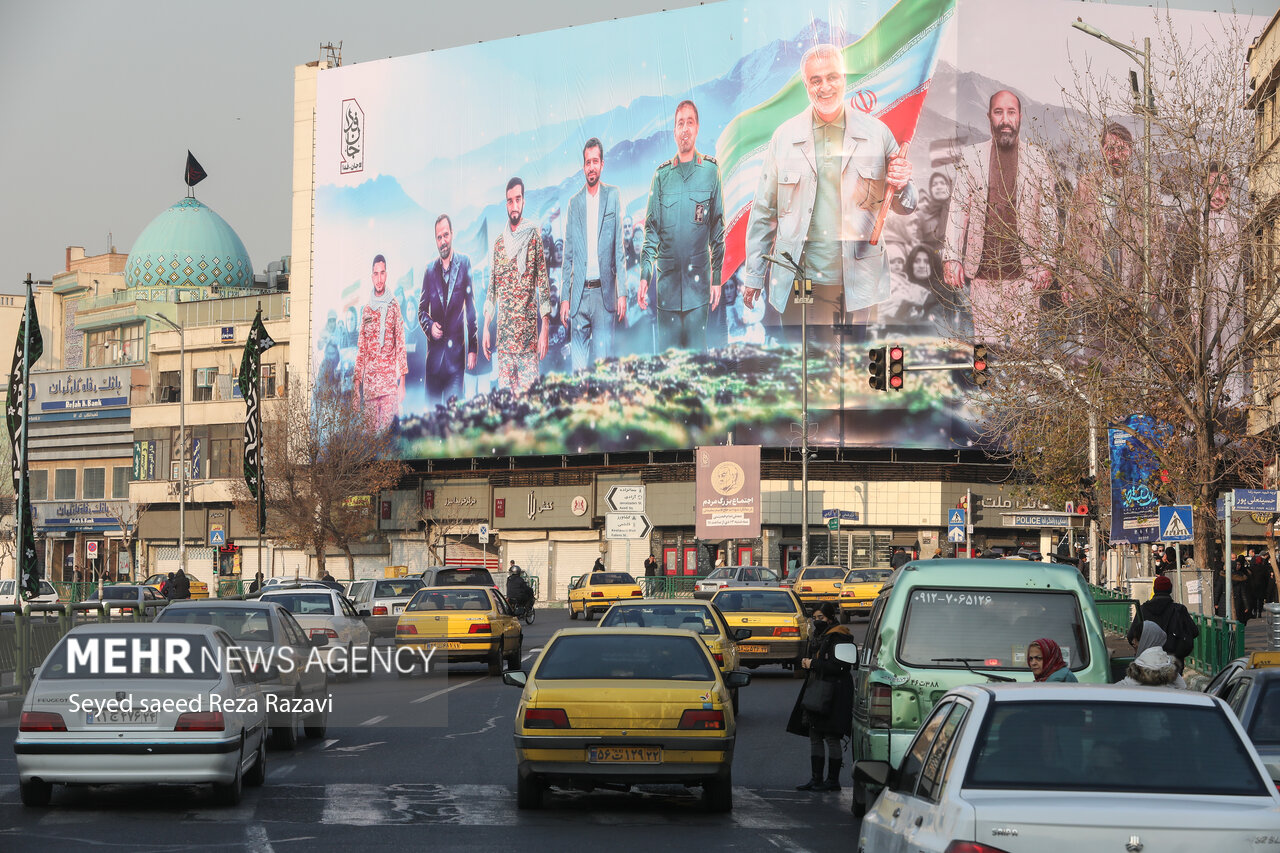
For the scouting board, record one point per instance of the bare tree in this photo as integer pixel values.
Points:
(441, 523)
(127, 517)
(1159, 309)
(325, 465)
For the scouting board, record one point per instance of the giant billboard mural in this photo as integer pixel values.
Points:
(587, 240)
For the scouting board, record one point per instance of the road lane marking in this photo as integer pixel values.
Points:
(256, 840)
(752, 811)
(373, 721)
(782, 842)
(445, 690)
(488, 726)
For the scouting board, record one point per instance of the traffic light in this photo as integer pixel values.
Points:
(980, 365)
(896, 376)
(1086, 504)
(876, 368)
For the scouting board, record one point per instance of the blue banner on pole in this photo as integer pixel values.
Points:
(1134, 505)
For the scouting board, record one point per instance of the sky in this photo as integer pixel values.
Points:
(106, 99)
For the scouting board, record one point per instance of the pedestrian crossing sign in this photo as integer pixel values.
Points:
(1176, 524)
(955, 518)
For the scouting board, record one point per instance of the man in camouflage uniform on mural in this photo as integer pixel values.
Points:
(519, 297)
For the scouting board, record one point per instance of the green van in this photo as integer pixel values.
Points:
(937, 624)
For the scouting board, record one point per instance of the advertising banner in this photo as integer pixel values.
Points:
(575, 241)
(728, 492)
(1135, 508)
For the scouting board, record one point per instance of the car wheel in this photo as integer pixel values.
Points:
(36, 793)
(229, 793)
(258, 775)
(573, 614)
(734, 693)
(529, 616)
(529, 791)
(495, 661)
(368, 662)
(517, 656)
(845, 618)
(315, 727)
(717, 794)
(286, 737)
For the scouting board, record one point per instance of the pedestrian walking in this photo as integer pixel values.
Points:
(1044, 659)
(1172, 618)
(166, 587)
(599, 566)
(899, 558)
(1152, 637)
(181, 585)
(651, 567)
(1153, 668)
(257, 582)
(824, 709)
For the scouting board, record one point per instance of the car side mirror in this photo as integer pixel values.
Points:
(741, 633)
(515, 678)
(839, 585)
(876, 773)
(846, 653)
(319, 641)
(736, 679)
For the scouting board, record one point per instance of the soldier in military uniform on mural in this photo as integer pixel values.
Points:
(683, 240)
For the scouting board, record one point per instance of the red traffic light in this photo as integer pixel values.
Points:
(1082, 509)
(895, 353)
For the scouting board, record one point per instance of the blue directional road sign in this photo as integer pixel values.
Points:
(1176, 524)
(955, 525)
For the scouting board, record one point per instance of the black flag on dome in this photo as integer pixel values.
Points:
(195, 172)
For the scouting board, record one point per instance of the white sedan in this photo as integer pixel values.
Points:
(1008, 768)
(141, 704)
(325, 612)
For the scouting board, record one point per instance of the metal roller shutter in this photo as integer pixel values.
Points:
(570, 560)
(532, 557)
(618, 559)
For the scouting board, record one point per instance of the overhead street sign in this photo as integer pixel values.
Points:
(1176, 524)
(625, 499)
(848, 515)
(830, 513)
(1256, 500)
(626, 525)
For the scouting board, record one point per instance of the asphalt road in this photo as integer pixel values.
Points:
(428, 761)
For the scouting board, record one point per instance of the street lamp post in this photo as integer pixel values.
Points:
(182, 438)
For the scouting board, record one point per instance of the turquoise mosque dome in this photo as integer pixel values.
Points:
(191, 247)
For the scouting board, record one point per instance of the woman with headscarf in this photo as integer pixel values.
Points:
(827, 716)
(1151, 670)
(1044, 657)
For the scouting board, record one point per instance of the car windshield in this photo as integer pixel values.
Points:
(687, 617)
(132, 655)
(303, 603)
(114, 593)
(611, 577)
(1113, 746)
(397, 589)
(823, 574)
(46, 588)
(1264, 728)
(720, 574)
(450, 599)
(246, 624)
(868, 575)
(764, 601)
(990, 628)
(673, 658)
(463, 577)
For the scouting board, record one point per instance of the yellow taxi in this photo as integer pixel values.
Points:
(859, 590)
(461, 623)
(625, 706)
(592, 593)
(816, 585)
(199, 589)
(683, 614)
(776, 620)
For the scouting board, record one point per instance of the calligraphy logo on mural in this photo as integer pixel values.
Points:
(863, 99)
(352, 146)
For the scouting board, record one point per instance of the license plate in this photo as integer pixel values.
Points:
(121, 718)
(397, 608)
(753, 650)
(624, 755)
(444, 645)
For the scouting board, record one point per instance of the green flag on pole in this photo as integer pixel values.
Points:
(29, 348)
(250, 364)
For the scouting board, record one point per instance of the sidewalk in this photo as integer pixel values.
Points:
(1255, 640)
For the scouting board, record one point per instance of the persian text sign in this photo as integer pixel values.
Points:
(728, 492)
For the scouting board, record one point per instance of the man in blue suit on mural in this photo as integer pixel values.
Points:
(447, 314)
(594, 300)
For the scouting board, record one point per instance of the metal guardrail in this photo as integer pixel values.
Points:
(1219, 642)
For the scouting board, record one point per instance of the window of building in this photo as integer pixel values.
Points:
(120, 476)
(225, 460)
(64, 484)
(38, 482)
(268, 380)
(168, 389)
(95, 483)
(118, 345)
(203, 381)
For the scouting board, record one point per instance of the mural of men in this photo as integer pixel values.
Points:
(519, 297)
(1002, 207)
(447, 314)
(594, 290)
(381, 362)
(824, 179)
(683, 240)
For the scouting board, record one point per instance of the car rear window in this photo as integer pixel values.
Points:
(397, 589)
(449, 599)
(990, 628)
(303, 603)
(1113, 746)
(248, 624)
(720, 574)
(611, 577)
(114, 593)
(673, 658)
(463, 577)
(764, 601)
(868, 575)
(686, 617)
(135, 662)
(823, 574)
(1264, 727)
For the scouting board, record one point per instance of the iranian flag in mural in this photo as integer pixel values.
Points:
(890, 69)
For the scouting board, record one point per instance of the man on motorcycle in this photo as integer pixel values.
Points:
(519, 593)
